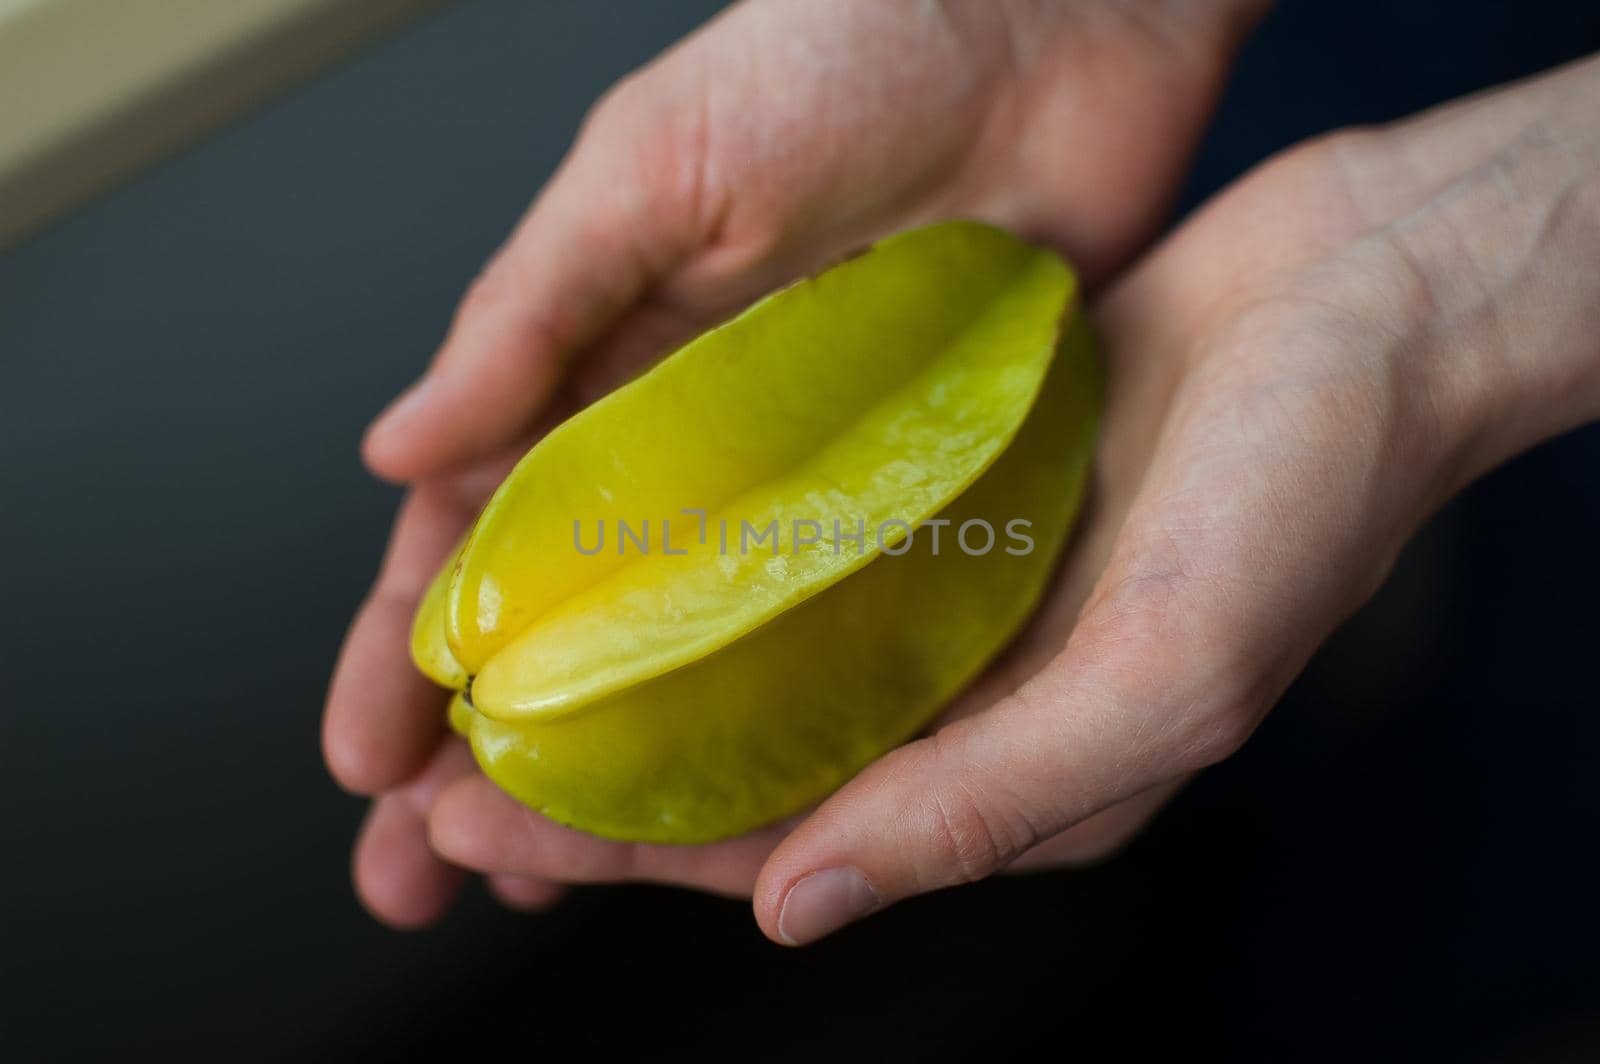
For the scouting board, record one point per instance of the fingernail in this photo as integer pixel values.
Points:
(822, 902)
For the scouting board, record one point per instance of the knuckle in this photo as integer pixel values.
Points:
(975, 828)
(964, 838)
(653, 152)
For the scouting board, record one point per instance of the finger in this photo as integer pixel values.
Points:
(1101, 836)
(478, 826)
(524, 894)
(383, 718)
(398, 878)
(610, 222)
(1093, 729)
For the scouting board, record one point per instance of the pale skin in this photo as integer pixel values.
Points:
(1299, 376)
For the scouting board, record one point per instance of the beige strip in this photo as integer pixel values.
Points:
(90, 89)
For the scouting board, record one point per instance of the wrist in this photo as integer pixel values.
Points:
(1494, 207)
(1535, 270)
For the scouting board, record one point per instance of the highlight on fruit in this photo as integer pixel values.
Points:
(897, 447)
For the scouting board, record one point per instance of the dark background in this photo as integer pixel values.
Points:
(1400, 866)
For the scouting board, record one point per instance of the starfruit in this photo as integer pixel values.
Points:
(707, 600)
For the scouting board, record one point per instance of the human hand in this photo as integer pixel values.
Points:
(1298, 378)
(782, 135)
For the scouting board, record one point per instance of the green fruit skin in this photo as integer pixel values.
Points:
(880, 389)
(777, 720)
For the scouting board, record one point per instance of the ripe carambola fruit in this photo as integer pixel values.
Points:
(695, 682)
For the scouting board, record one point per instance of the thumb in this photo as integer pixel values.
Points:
(1164, 674)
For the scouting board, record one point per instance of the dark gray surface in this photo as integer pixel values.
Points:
(185, 370)
(1401, 860)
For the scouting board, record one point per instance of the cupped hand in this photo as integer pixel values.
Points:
(781, 136)
(1298, 378)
